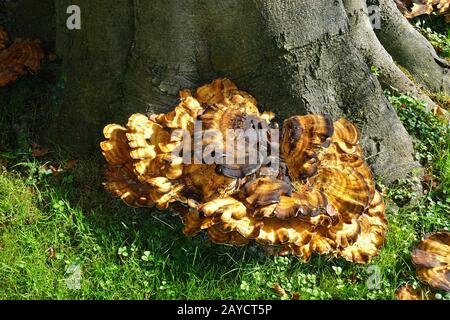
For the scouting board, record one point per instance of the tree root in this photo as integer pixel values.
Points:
(411, 49)
(365, 39)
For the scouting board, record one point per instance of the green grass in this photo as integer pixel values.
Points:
(52, 225)
(156, 261)
(134, 254)
(127, 253)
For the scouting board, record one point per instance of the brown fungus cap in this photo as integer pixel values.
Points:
(432, 260)
(414, 8)
(21, 57)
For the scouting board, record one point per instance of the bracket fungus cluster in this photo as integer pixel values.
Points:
(414, 8)
(18, 58)
(313, 193)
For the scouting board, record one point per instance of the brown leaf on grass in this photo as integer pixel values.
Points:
(439, 112)
(279, 290)
(38, 151)
(429, 182)
(295, 296)
(71, 164)
(407, 292)
(3, 162)
(51, 253)
(51, 169)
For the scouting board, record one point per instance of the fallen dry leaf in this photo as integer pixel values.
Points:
(429, 182)
(407, 292)
(38, 151)
(3, 162)
(279, 290)
(51, 169)
(71, 164)
(295, 296)
(51, 253)
(439, 112)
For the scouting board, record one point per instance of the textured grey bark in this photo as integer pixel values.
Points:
(411, 50)
(376, 55)
(30, 18)
(294, 56)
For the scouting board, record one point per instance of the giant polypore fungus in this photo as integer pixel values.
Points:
(19, 58)
(432, 260)
(315, 195)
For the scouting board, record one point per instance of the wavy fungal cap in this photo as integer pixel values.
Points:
(432, 260)
(21, 57)
(320, 199)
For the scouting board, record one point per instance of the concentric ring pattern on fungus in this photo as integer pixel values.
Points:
(321, 198)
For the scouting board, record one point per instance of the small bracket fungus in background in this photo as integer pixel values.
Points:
(414, 8)
(19, 58)
(321, 199)
(432, 260)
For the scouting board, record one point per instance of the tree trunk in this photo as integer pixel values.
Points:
(294, 56)
(411, 50)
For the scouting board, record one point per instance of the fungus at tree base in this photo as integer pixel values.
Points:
(320, 199)
(19, 58)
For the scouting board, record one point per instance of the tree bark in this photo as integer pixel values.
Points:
(412, 50)
(374, 52)
(294, 56)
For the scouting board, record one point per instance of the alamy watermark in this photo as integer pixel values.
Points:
(374, 280)
(73, 22)
(374, 15)
(73, 281)
(252, 146)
